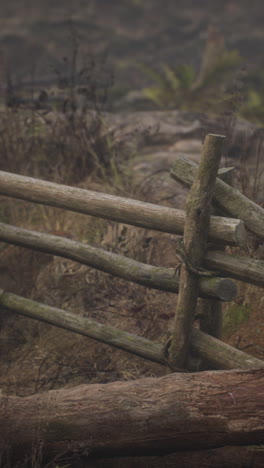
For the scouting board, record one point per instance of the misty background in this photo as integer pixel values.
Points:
(37, 37)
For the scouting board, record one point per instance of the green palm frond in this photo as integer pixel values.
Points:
(156, 95)
(171, 85)
(254, 99)
(186, 75)
(253, 109)
(221, 68)
(171, 77)
(156, 77)
(186, 89)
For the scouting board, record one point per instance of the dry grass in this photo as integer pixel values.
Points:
(36, 357)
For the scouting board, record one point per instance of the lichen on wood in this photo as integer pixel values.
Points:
(198, 207)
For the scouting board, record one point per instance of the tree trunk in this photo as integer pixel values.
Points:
(148, 416)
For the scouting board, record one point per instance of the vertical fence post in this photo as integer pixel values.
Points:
(210, 311)
(198, 207)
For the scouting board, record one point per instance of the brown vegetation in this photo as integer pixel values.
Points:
(84, 151)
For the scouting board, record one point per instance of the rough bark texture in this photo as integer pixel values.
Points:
(195, 236)
(173, 413)
(150, 276)
(124, 210)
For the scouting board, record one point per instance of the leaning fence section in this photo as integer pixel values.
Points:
(207, 274)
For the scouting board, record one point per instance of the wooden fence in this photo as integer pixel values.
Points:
(205, 273)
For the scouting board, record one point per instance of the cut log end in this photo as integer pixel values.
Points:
(223, 288)
(240, 233)
(233, 231)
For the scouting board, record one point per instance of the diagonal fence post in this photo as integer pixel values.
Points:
(198, 207)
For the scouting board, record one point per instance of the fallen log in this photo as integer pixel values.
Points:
(148, 416)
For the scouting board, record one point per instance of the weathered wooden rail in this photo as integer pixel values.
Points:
(223, 357)
(150, 276)
(122, 210)
(215, 284)
(225, 197)
(212, 409)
